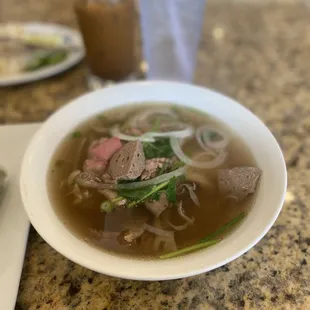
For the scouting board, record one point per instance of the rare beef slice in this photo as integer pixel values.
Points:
(239, 181)
(128, 163)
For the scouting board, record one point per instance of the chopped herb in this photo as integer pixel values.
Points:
(171, 191)
(225, 227)
(76, 134)
(156, 196)
(109, 205)
(159, 148)
(177, 165)
(154, 189)
(207, 241)
(189, 249)
(135, 193)
(163, 169)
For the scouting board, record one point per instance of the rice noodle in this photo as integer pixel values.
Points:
(217, 161)
(178, 227)
(204, 140)
(116, 133)
(150, 136)
(188, 131)
(157, 231)
(181, 213)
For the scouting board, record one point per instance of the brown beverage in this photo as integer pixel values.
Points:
(108, 32)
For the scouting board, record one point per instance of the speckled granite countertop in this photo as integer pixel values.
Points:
(257, 53)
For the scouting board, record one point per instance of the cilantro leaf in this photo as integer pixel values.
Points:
(76, 134)
(135, 193)
(171, 191)
(159, 148)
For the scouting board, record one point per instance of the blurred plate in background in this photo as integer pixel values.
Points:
(39, 38)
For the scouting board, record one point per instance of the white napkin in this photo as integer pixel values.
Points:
(171, 31)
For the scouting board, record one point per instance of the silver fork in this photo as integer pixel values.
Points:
(3, 182)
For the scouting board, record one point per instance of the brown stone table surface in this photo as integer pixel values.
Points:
(255, 51)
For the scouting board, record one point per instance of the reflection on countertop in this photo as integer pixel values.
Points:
(256, 52)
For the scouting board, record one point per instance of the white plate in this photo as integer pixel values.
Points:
(14, 223)
(75, 56)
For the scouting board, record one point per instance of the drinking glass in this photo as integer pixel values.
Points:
(171, 31)
(108, 31)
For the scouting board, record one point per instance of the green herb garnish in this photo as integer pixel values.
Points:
(156, 196)
(207, 241)
(135, 194)
(109, 205)
(159, 148)
(154, 189)
(177, 165)
(163, 169)
(189, 249)
(76, 134)
(171, 191)
(225, 227)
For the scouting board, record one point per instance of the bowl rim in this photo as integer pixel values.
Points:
(120, 274)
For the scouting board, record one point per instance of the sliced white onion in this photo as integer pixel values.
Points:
(186, 218)
(178, 227)
(178, 134)
(203, 138)
(154, 181)
(116, 133)
(140, 117)
(177, 149)
(157, 231)
(150, 136)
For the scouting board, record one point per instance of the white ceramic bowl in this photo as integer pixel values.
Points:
(261, 217)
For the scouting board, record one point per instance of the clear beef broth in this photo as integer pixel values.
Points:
(104, 230)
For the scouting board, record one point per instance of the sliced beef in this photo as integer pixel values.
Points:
(128, 163)
(238, 182)
(99, 153)
(156, 207)
(103, 149)
(94, 165)
(152, 166)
